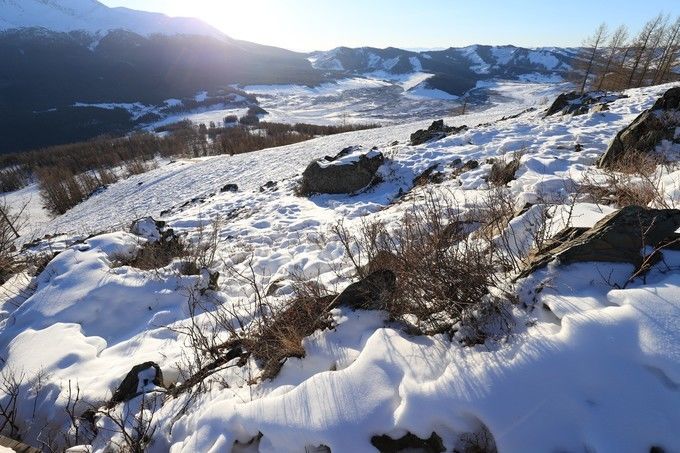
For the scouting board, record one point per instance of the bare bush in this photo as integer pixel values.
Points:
(441, 269)
(11, 222)
(634, 180)
(503, 171)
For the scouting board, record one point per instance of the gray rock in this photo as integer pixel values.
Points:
(619, 238)
(131, 385)
(347, 172)
(647, 131)
(578, 104)
(436, 131)
(229, 188)
(369, 293)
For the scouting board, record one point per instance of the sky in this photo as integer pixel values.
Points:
(306, 25)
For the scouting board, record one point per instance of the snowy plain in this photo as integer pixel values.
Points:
(586, 368)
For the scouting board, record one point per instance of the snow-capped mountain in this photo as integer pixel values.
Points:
(455, 70)
(95, 17)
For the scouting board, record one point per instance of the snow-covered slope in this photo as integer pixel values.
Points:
(597, 371)
(94, 17)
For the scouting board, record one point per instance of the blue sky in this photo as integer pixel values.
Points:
(322, 24)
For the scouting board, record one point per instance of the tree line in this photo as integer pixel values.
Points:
(616, 59)
(68, 174)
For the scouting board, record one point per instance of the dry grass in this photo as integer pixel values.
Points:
(633, 181)
(443, 273)
(503, 171)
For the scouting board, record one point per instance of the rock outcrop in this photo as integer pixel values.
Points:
(619, 237)
(347, 172)
(369, 293)
(647, 131)
(573, 103)
(436, 131)
(137, 381)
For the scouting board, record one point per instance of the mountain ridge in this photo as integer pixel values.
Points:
(94, 17)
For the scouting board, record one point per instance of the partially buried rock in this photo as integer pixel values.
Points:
(229, 188)
(436, 131)
(140, 379)
(370, 293)
(574, 103)
(148, 228)
(646, 132)
(619, 238)
(408, 443)
(349, 171)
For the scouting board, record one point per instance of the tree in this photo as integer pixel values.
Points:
(652, 52)
(641, 45)
(616, 42)
(591, 50)
(671, 45)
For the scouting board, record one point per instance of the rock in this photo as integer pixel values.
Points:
(578, 147)
(647, 131)
(616, 238)
(229, 188)
(428, 176)
(269, 185)
(436, 131)
(408, 442)
(578, 104)
(137, 381)
(369, 293)
(562, 102)
(148, 228)
(348, 172)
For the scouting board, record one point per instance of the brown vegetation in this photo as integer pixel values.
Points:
(617, 61)
(68, 174)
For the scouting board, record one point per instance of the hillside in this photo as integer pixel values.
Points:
(264, 357)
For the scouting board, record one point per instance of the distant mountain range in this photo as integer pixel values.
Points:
(59, 57)
(94, 17)
(456, 70)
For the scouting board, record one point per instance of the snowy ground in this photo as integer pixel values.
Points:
(598, 372)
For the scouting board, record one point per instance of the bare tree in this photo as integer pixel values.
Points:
(616, 42)
(652, 53)
(592, 48)
(642, 44)
(671, 45)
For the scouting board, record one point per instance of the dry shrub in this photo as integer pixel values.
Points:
(138, 166)
(156, 255)
(13, 178)
(11, 222)
(443, 273)
(632, 181)
(503, 171)
(280, 334)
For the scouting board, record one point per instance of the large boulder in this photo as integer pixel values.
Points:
(436, 131)
(349, 171)
(573, 103)
(563, 102)
(140, 379)
(647, 131)
(619, 237)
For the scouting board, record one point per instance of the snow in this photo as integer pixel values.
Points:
(136, 109)
(94, 17)
(587, 366)
(544, 59)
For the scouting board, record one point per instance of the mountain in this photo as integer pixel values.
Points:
(94, 17)
(455, 70)
(46, 75)
(74, 69)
